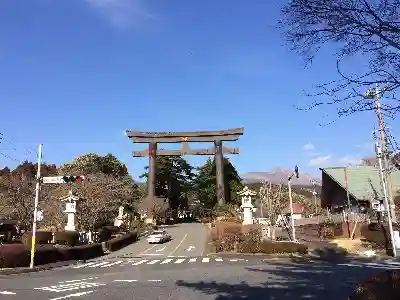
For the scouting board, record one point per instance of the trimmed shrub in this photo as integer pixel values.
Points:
(69, 238)
(14, 255)
(122, 241)
(47, 254)
(42, 237)
(82, 252)
(386, 286)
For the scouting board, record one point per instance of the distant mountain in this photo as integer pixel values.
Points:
(279, 175)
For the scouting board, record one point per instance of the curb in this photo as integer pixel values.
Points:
(307, 257)
(24, 270)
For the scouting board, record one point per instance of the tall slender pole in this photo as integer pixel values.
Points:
(219, 165)
(35, 210)
(385, 164)
(385, 198)
(291, 207)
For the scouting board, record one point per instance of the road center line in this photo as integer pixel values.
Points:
(184, 238)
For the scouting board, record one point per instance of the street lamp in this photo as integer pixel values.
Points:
(294, 173)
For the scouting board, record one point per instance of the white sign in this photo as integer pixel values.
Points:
(53, 179)
(39, 215)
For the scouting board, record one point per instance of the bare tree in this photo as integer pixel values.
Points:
(357, 28)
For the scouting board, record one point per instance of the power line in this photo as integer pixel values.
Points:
(14, 145)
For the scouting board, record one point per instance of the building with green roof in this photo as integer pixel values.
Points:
(362, 182)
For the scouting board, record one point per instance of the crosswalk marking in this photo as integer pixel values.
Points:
(160, 261)
(153, 262)
(167, 261)
(84, 265)
(112, 264)
(99, 264)
(139, 262)
(179, 261)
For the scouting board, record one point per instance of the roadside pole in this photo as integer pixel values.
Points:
(35, 211)
(295, 173)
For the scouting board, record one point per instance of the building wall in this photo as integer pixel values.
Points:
(332, 194)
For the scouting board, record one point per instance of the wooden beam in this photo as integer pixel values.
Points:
(145, 140)
(144, 134)
(209, 151)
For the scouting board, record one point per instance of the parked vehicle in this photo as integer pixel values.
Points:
(158, 236)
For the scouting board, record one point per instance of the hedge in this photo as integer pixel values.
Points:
(42, 237)
(69, 238)
(106, 232)
(18, 255)
(122, 241)
(385, 285)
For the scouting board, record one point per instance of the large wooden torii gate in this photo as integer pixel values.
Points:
(154, 138)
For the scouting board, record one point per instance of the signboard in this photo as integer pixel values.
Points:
(53, 179)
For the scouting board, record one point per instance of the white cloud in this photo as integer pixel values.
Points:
(309, 147)
(350, 160)
(121, 13)
(320, 160)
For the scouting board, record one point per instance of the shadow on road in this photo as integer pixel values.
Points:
(292, 281)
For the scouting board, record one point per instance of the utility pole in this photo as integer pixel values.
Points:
(295, 173)
(385, 196)
(314, 195)
(376, 95)
(35, 210)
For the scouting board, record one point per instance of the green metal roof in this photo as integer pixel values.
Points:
(363, 181)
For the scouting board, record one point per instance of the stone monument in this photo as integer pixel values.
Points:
(70, 210)
(119, 220)
(247, 206)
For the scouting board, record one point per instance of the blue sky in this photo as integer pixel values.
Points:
(75, 74)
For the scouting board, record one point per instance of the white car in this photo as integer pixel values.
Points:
(158, 236)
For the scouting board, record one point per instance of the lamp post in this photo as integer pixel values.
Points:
(294, 173)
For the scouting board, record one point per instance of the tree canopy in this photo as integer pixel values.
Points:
(92, 163)
(174, 179)
(205, 184)
(366, 29)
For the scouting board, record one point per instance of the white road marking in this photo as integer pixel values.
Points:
(73, 295)
(153, 254)
(125, 280)
(7, 293)
(179, 261)
(153, 262)
(205, 259)
(233, 260)
(167, 261)
(70, 286)
(154, 280)
(192, 260)
(139, 262)
(84, 265)
(99, 264)
(181, 242)
(144, 252)
(219, 259)
(161, 249)
(190, 248)
(113, 264)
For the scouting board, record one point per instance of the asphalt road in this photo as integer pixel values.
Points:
(251, 279)
(188, 239)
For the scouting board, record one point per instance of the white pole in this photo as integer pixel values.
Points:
(291, 207)
(39, 162)
(379, 154)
